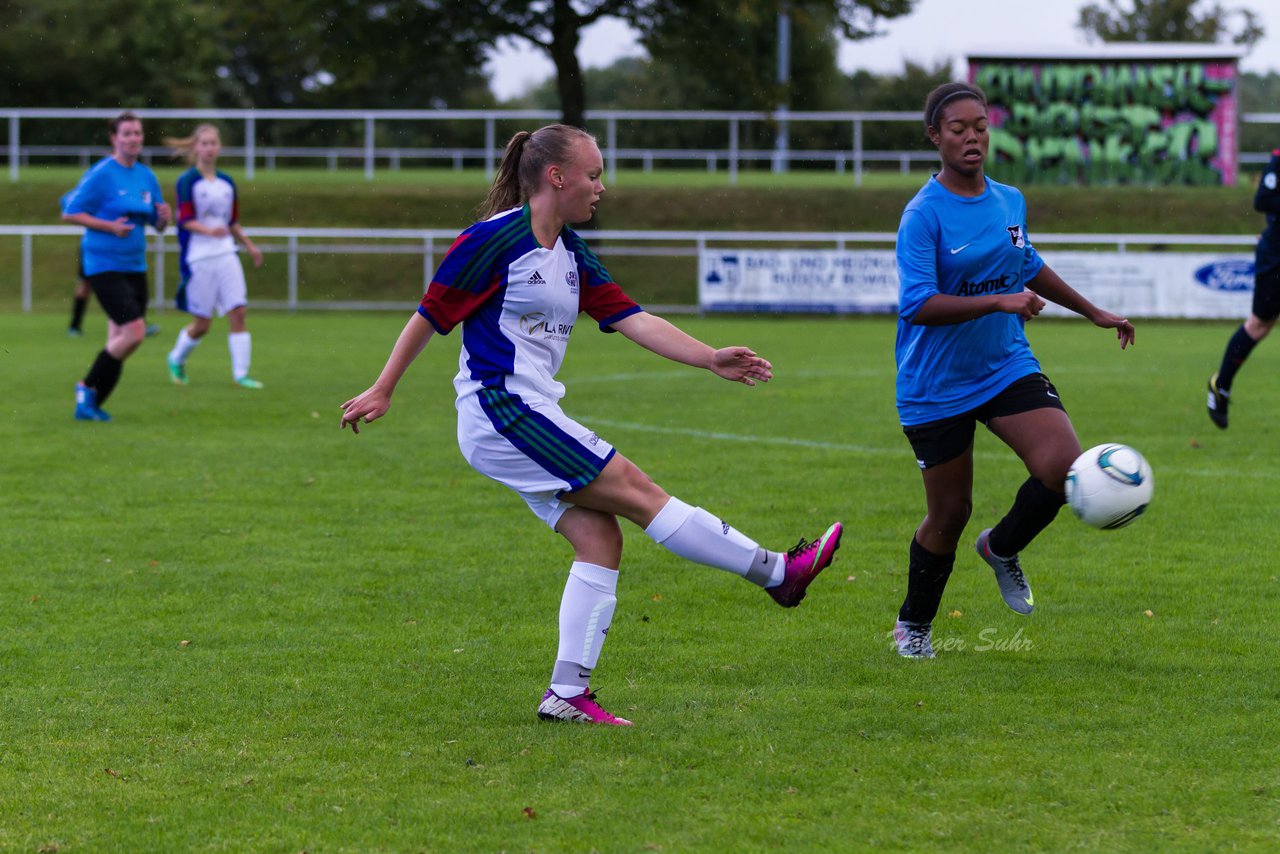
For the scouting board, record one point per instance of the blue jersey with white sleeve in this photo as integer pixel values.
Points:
(963, 246)
(109, 191)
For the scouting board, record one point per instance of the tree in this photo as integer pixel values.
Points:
(555, 26)
(1168, 21)
(678, 32)
(103, 53)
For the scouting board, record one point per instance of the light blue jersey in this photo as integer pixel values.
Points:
(110, 191)
(963, 246)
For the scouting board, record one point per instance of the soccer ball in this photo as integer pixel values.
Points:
(1109, 486)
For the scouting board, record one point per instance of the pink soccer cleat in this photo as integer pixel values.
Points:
(581, 709)
(804, 562)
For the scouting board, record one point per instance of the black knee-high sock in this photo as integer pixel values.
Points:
(104, 375)
(77, 312)
(927, 576)
(1032, 511)
(1238, 349)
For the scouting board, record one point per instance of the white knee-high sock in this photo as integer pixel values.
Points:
(696, 535)
(240, 346)
(586, 610)
(182, 347)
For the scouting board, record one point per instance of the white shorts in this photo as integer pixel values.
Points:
(216, 285)
(531, 447)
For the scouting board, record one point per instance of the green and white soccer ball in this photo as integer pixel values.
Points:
(1109, 486)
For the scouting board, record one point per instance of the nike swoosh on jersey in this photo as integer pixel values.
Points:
(961, 248)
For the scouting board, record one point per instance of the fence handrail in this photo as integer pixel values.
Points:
(732, 119)
(674, 243)
(686, 236)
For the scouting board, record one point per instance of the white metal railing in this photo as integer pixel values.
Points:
(293, 242)
(732, 153)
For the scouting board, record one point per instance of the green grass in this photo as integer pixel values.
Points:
(229, 626)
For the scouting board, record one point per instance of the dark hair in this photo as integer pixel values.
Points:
(126, 116)
(945, 94)
(527, 156)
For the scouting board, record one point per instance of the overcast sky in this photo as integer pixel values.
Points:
(937, 31)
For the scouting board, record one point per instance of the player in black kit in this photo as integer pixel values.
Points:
(1266, 294)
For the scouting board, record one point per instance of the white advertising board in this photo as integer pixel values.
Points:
(1137, 284)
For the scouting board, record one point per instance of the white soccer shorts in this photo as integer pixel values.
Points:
(530, 446)
(216, 285)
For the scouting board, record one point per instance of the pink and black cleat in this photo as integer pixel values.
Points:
(804, 562)
(581, 709)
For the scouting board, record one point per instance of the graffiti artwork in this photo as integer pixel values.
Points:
(1116, 121)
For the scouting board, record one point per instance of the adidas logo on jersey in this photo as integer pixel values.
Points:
(536, 279)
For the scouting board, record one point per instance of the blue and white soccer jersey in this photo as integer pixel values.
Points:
(212, 276)
(110, 191)
(517, 303)
(963, 246)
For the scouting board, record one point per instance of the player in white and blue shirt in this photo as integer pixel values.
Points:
(212, 277)
(115, 201)
(516, 284)
(969, 281)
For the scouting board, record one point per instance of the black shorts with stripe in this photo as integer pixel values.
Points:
(941, 441)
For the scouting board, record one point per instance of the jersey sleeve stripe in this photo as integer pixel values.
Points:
(473, 274)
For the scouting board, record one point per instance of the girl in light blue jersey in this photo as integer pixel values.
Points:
(969, 281)
(115, 201)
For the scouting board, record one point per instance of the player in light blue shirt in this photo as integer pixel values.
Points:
(969, 281)
(115, 201)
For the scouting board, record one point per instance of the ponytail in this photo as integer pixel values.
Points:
(524, 162)
(505, 192)
(185, 146)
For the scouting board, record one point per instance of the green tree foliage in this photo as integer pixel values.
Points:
(397, 54)
(105, 53)
(285, 53)
(1168, 21)
(555, 26)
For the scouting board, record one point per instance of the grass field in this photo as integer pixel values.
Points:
(228, 626)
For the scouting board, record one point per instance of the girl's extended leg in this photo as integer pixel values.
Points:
(1046, 443)
(622, 489)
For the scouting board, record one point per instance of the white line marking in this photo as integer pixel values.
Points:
(904, 451)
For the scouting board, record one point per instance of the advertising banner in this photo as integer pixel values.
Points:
(1137, 284)
(1144, 114)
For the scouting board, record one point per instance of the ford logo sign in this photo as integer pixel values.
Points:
(1226, 276)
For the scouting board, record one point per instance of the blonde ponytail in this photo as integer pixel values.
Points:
(185, 146)
(523, 163)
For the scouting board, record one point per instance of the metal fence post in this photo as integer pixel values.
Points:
(857, 152)
(368, 148)
(293, 272)
(159, 269)
(13, 146)
(733, 152)
(26, 273)
(428, 261)
(612, 144)
(488, 146)
(250, 150)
